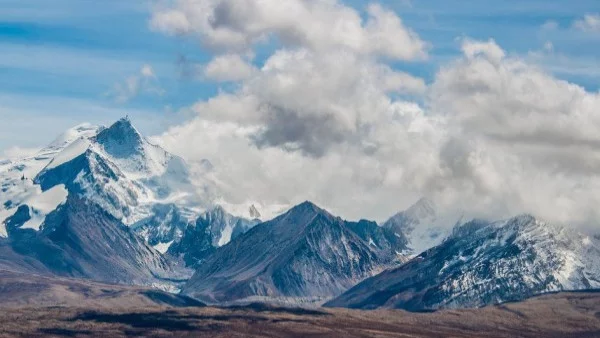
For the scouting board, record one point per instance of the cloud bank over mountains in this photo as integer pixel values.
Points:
(328, 116)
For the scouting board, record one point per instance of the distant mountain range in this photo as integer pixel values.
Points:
(104, 203)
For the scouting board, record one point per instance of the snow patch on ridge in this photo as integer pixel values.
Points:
(84, 130)
(225, 235)
(163, 247)
(43, 204)
(73, 150)
(4, 214)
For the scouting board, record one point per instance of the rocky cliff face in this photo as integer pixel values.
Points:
(304, 254)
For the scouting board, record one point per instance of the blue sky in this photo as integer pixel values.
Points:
(61, 60)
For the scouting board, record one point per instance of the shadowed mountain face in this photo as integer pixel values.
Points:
(484, 263)
(79, 239)
(305, 253)
(121, 140)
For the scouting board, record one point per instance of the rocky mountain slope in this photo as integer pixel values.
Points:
(104, 203)
(484, 263)
(305, 254)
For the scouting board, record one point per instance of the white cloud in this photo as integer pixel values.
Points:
(520, 140)
(229, 67)
(550, 25)
(236, 25)
(472, 49)
(147, 72)
(307, 123)
(386, 35)
(145, 81)
(515, 101)
(346, 181)
(400, 82)
(310, 102)
(589, 23)
(172, 21)
(322, 118)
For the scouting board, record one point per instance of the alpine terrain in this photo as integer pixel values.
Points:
(484, 263)
(304, 255)
(105, 203)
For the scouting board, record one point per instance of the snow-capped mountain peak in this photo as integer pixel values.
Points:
(17, 186)
(88, 186)
(483, 263)
(115, 167)
(135, 156)
(121, 140)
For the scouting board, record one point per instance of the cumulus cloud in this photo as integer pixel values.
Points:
(346, 181)
(589, 23)
(489, 49)
(508, 100)
(230, 67)
(326, 117)
(322, 111)
(310, 102)
(144, 81)
(520, 139)
(237, 25)
(147, 72)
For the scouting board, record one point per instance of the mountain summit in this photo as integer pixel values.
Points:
(483, 263)
(121, 139)
(112, 179)
(306, 254)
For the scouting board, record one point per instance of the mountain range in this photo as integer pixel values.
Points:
(483, 263)
(106, 204)
(306, 254)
